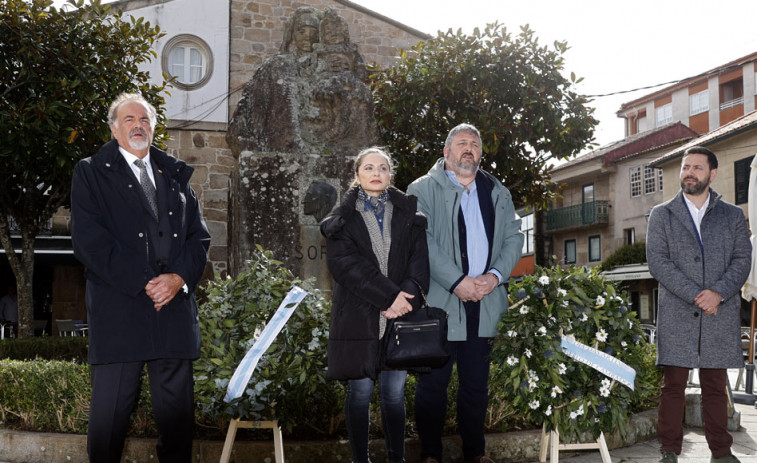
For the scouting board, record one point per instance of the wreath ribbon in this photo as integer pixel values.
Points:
(600, 361)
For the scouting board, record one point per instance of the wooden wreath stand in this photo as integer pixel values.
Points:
(553, 442)
(278, 444)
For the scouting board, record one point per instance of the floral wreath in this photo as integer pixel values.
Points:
(544, 384)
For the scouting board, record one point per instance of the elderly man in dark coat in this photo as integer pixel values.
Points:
(137, 228)
(698, 249)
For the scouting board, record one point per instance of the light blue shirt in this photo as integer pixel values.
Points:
(477, 243)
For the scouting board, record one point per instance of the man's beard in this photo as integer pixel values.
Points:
(466, 166)
(694, 189)
(139, 145)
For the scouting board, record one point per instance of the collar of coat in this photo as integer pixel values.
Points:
(438, 174)
(678, 206)
(110, 158)
(339, 216)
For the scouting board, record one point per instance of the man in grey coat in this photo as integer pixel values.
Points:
(698, 250)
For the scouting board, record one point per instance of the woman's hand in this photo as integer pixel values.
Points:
(400, 306)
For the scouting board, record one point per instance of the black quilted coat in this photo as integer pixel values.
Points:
(360, 291)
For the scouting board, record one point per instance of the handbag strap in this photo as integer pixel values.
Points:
(420, 289)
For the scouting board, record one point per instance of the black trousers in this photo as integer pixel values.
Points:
(114, 392)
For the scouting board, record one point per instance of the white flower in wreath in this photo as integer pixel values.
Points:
(544, 280)
(577, 413)
(542, 331)
(565, 303)
(604, 391)
(512, 333)
(606, 382)
(561, 369)
(561, 292)
(573, 415)
(630, 324)
(532, 383)
(601, 335)
(512, 360)
(528, 353)
(534, 404)
(600, 301)
(548, 412)
(524, 309)
(623, 343)
(555, 391)
(584, 317)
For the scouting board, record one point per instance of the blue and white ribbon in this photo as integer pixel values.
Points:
(600, 361)
(242, 375)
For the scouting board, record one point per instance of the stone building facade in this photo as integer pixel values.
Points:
(256, 30)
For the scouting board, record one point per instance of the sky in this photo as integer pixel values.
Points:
(615, 46)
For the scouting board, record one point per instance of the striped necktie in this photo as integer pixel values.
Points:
(147, 187)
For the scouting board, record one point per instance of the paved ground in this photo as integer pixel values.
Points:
(695, 448)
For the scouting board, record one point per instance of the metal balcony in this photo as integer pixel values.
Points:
(580, 215)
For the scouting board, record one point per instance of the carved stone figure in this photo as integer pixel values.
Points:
(319, 200)
(300, 117)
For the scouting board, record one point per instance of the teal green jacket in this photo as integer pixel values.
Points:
(439, 199)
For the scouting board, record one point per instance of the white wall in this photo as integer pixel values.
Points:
(208, 20)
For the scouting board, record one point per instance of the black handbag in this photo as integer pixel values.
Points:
(417, 339)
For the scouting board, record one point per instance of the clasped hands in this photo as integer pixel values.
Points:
(163, 288)
(475, 288)
(708, 301)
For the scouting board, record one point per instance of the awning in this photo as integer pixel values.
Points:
(627, 273)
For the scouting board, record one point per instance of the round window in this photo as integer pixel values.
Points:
(188, 59)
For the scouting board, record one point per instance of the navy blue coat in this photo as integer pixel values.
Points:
(360, 291)
(108, 230)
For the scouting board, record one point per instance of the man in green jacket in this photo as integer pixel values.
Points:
(474, 242)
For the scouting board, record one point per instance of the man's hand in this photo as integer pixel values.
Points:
(708, 301)
(486, 283)
(163, 288)
(467, 290)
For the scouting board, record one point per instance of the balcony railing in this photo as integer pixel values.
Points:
(732, 103)
(591, 213)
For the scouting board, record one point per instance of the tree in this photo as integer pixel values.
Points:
(59, 72)
(511, 89)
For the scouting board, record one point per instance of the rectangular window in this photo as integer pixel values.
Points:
(699, 102)
(629, 236)
(649, 180)
(635, 182)
(741, 171)
(664, 114)
(595, 248)
(587, 196)
(570, 251)
(527, 228)
(659, 179)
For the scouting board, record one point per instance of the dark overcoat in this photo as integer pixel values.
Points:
(360, 291)
(686, 336)
(108, 230)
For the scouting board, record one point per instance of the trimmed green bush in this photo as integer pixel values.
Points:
(71, 348)
(629, 254)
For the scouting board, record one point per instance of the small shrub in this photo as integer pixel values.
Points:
(635, 253)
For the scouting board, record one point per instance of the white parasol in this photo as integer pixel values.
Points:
(749, 291)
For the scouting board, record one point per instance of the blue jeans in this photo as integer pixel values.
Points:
(473, 358)
(391, 387)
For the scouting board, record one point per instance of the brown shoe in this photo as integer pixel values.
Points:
(430, 460)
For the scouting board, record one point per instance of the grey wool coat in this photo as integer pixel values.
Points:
(686, 336)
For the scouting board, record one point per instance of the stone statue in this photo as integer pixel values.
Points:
(319, 200)
(311, 97)
(301, 117)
